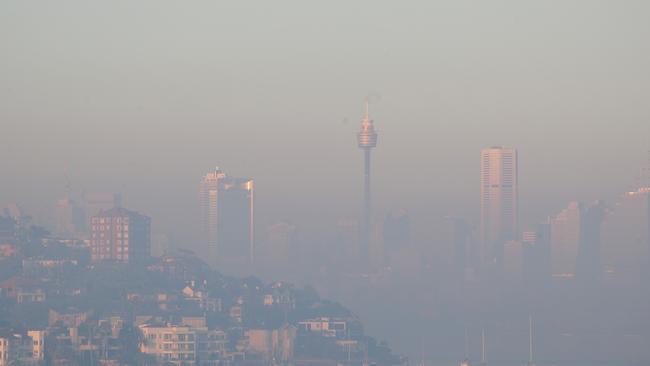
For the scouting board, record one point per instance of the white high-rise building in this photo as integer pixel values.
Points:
(499, 201)
(208, 194)
(227, 214)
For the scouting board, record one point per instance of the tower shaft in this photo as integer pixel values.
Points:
(365, 229)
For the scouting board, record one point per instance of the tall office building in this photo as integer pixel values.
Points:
(397, 230)
(589, 263)
(513, 258)
(347, 238)
(499, 202)
(208, 194)
(120, 235)
(565, 240)
(575, 241)
(367, 140)
(626, 237)
(456, 249)
(281, 242)
(227, 210)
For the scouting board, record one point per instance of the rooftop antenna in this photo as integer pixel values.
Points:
(68, 185)
(367, 116)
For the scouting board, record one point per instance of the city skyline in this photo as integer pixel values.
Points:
(199, 184)
(573, 238)
(436, 106)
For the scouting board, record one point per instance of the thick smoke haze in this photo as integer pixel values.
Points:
(145, 97)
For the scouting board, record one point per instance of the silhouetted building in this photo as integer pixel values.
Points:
(589, 264)
(513, 258)
(454, 252)
(7, 229)
(26, 348)
(396, 230)
(499, 202)
(626, 237)
(575, 241)
(70, 218)
(537, 256)
(120, 235)
(565, 240)
(227, 210)
(280, 243)
(347, 238)
(13, 211)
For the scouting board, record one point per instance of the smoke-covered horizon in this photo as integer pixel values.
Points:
(145, 98)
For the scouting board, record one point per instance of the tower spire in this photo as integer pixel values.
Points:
(367, 106)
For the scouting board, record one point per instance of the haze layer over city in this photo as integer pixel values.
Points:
(467, 180)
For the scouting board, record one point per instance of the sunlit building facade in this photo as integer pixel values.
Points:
(120, 235)
(499, 202)
(183, 345)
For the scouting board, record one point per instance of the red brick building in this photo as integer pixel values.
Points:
(120, 235)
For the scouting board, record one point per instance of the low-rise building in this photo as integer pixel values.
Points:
(339, 328)
(183, 345)
(272, 344)
(22, 348)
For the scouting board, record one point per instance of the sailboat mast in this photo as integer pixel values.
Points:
(530, 339)
(483, 345)
(466, 344)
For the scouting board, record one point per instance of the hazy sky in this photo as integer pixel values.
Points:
(144, 97)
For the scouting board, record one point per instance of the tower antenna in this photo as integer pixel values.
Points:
(367, 105)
